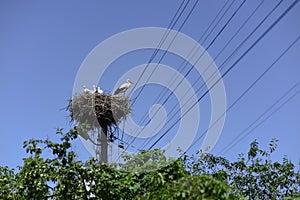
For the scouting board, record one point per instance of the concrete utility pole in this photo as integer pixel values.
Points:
(103, 143)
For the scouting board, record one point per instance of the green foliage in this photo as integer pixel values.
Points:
(145, 161)
(195, 187)
(7, 183)
(254, 176)
(59, 175)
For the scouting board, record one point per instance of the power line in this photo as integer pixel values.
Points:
(228, 70)
(165, 35)
(230, 56)
(187, 73)
(248, 89)
(122, 141)
(167, 32)
(185, 20)
(233, 36)
(215, 26)
(160, 44)
(184, 63)
(244, 133)
(226, 60)
(166, 51)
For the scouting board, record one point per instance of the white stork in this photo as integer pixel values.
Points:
(123, 87)
(85, 90)
(97, 89)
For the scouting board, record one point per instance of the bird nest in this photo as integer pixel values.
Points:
(95, 109)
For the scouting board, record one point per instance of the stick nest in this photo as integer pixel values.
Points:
(96, 109)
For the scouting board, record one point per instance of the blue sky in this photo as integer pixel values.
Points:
(43, 43)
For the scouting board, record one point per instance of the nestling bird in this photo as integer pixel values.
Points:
(123, 88)
(85, 90)
(97, 89)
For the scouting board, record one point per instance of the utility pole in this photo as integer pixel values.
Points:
(103, 143)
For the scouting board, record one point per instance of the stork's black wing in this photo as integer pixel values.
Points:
(118, 91)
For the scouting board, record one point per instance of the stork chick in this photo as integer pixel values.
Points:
(85, 90)
(97, 89)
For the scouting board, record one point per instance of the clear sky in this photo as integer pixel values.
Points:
(43, 44)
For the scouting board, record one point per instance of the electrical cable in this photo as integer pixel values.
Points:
(166, 33)
(163, 91)
(227, 59)
(223, 64)
(187, 73)
(244, 134)
(248, 89)
(165, 52)
(228, 70)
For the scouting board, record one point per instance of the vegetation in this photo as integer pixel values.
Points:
(205, 176)
(254, 176)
